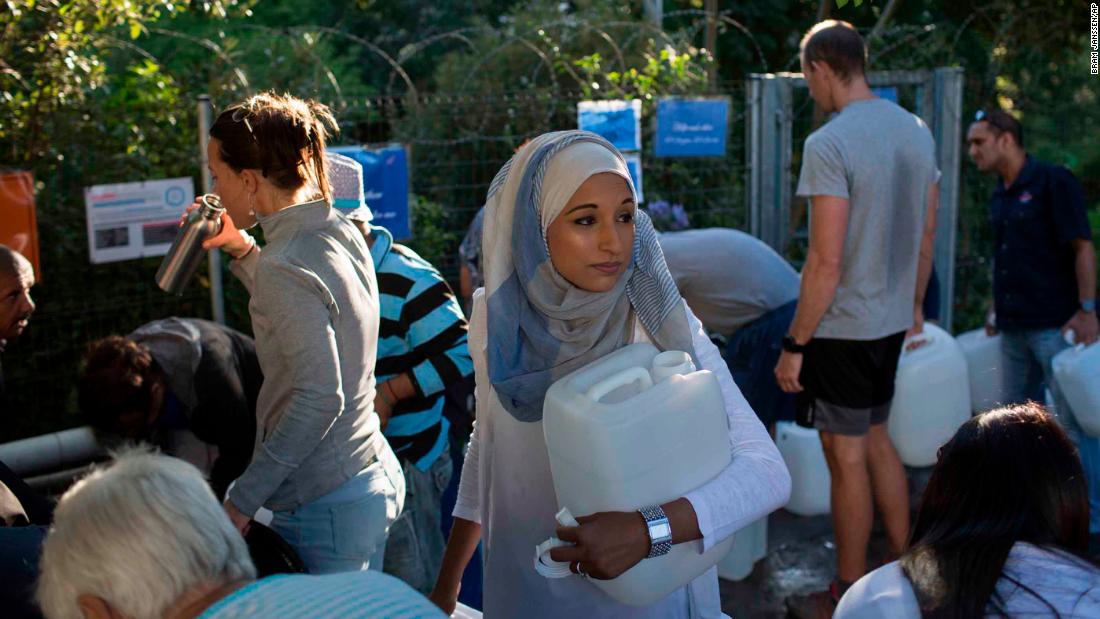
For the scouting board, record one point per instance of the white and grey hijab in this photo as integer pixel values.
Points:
(541, 327)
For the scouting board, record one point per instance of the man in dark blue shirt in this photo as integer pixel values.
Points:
(1044, 279)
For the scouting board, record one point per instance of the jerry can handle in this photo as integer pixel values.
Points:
(613, 382)
(546, 566)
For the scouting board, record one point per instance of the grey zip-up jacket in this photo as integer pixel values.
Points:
(315, 314)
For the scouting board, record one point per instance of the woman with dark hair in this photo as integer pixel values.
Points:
(320, 462)
(1002, 530)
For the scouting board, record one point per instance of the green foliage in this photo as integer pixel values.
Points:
(525, 78)
(1027, 56)
(437, 234)
(53, 55)
(103, 91)
(661, 72)
(78, 107)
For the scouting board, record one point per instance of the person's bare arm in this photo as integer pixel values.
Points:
(1084, 324)
(924, 263)
(820, 278)
(821, 274)
(465, 283)
(465, 536)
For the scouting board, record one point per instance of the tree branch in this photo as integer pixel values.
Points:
(887, 15)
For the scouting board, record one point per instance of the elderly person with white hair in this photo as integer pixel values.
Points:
(145, 538)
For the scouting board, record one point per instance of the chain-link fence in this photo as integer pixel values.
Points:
(457, 144)
(77, 303)
(457, 140)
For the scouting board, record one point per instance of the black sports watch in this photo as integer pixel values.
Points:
(791, 346)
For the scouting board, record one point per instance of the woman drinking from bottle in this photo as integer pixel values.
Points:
(320, 461)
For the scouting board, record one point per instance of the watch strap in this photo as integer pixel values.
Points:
(791, 346)
(1088, 305)
(659, 530)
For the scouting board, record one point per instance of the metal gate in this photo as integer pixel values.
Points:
(934, 95)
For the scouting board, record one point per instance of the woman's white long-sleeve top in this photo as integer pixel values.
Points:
(507, 487)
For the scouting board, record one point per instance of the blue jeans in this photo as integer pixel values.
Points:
(1027, 356)
(414, 550)
(752, 353)
(345, 530)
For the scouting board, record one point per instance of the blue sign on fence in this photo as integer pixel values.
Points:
(692, 127)
(620, 122)
(890, 93)
(634, 166)
(385, 185)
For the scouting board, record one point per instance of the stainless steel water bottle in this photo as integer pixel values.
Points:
(186, 253)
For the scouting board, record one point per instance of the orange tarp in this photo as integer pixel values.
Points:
(18, 227)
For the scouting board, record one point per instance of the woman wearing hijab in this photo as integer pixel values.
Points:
(573, 272)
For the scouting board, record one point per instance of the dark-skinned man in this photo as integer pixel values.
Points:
(1044, 273)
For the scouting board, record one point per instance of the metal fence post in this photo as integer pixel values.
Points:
(754, 87)
(217, 299)
(947, 127)
(768, 139)
(783, 121)
(654, 11)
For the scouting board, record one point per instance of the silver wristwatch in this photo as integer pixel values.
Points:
(660, 531)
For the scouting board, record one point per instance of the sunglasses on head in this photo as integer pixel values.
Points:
(241, 115)
(983, 116)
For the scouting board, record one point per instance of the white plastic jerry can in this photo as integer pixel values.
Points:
(931, 397)
(805, 459)
(463, 611)
(1077, 371)
(983, 361)
(633, 429)
(750, 544)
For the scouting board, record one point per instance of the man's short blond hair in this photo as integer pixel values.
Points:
(837, 44)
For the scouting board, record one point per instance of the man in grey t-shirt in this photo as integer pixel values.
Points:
(871, 176)
(742, 289)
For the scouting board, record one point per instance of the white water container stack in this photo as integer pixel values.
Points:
(750, 544)
(465, 612)
(983, 361)
(931, 397)
(633, 429)
(1077, 371)
(805, 459)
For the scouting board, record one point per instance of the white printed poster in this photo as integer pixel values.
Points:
(135, 220)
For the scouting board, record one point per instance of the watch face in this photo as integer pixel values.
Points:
(660, 531)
